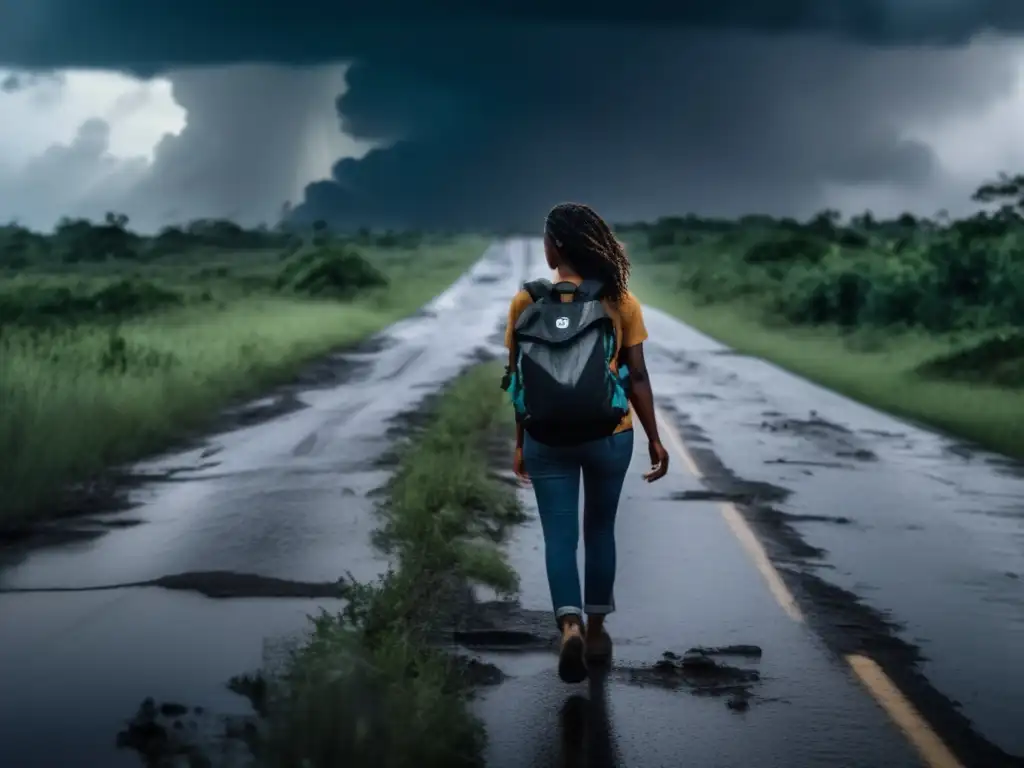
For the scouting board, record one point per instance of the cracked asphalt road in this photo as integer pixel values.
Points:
(894, 543)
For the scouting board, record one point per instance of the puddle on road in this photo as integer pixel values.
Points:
(698, 672)
(842, 618)
(503, 632)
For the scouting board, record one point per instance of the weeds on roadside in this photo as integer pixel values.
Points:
(368, 688)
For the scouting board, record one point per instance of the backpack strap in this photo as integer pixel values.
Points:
(538, 289)
(589, 290)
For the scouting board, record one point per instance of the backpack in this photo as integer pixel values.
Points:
(563, 385)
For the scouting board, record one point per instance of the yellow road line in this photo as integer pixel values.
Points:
(738, 525)
(932, 749)
(927, 743)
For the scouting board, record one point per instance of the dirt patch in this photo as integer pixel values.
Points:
(821, 464)
(479, 674)
(834, 519)
(754, 493)
(826, 436)
(748, 651)
(814, 424)
(700, 673)
(61, 533)
(170, 734)
(884, 434)
(219, 585)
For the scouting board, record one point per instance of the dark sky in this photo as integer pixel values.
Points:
(488, 118)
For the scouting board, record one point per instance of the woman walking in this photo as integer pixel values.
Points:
(576, 374)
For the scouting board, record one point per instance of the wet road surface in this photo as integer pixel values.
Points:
(895, 543)
(285, 499)
(898, 542)
(684, 581)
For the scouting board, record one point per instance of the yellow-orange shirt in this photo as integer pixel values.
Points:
(627, 316)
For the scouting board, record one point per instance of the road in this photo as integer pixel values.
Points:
(877, 567)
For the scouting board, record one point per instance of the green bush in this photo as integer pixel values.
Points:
(41, 304)
(904, 273)
(330, 272)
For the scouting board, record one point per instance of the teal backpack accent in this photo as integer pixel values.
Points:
(559, 410)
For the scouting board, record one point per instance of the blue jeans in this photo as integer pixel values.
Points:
(555, 474)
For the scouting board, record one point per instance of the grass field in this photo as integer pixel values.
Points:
(928, 329)
(369, 688)
(104, 361)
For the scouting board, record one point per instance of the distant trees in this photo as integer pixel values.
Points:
(1005, 189)
(19, 245)
(79, 240)
(320, 233)
(938, 274)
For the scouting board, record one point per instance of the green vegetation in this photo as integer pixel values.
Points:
(919, 317)
(113, 345)
(368, 687)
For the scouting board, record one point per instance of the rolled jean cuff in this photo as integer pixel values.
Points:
(568, 610)
(599, 610)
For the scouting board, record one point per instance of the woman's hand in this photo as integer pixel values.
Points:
(519, 466)
(659, 462)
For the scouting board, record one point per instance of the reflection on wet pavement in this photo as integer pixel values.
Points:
(277, 507)
(683, 582)
(929, 543)
(897, 543)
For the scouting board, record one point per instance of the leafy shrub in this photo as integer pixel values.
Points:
(337, 272)
(41, 304)
(133, 297)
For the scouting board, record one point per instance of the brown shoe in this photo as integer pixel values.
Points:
(572, 663)
(599, 647)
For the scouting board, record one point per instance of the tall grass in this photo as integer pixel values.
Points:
(75, 400)
(879, 368)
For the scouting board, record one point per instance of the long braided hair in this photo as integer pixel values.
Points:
(589, 246)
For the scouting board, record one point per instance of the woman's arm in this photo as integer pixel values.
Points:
(641, 395)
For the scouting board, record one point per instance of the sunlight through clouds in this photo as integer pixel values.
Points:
(234, 141)
(50, 110)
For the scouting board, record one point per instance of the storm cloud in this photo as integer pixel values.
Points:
(253, 133)
(486, 117)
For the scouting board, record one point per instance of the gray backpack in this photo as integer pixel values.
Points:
(562, 384)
